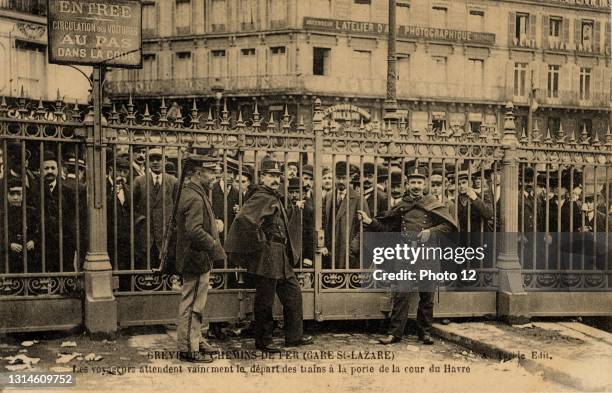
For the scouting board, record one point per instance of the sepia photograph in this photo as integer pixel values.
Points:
(306, 195)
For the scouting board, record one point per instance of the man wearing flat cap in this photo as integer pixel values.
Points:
(260, 238)
(153, 198)
(425, 217)
(340, 219)
(197, 248)
(480, 216)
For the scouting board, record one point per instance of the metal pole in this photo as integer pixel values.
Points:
(530, 103)
(390, 105)
(100, 304)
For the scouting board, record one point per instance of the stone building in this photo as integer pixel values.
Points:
(23, 56)
(459, 61)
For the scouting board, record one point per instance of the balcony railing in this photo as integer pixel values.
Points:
(198, 86)
(35, 7)
(362, 87)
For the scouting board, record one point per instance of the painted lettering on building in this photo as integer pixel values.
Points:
(372, 28)
(95, 33)
(346, 113)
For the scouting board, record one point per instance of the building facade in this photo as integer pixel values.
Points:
(458, 63)
(24, 66)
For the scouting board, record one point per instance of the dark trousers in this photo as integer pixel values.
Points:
(401, 306)
(290, 296)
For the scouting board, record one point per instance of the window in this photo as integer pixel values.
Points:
(522, 27)
(149, 20)
(438, 124)
(183, 16)
(218, 15)
(520, 78)
(320, 61)
(218, 63)
(585, 83)
(554, 30)
(360, 10)
(362, 64)
(553, 81)
(31, 61)
(438, 17)
(278, 61)
(149, 67)
(248, 14)
(475, 72)
(475, 126)
(439, 68)
(587, 34)
(403, 68)
(403, 13)
(248, 62)
(554, 124)
(183, 66)
(476, 21)
(278, 13)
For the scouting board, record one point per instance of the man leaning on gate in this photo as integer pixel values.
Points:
(422, 218)
(260, 239)
(197, 247)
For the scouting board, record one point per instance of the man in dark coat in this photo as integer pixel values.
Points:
(59, 203)
(17, 245)
(339, 220)
(425, 216)
(197, 247)
(118, 205)
(375, 197)
(300, 215)
(260, 236)
(153, 198)
(474, 210)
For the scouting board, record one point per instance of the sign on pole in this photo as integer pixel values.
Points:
(89, 32)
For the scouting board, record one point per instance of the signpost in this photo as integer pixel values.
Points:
(96, 33)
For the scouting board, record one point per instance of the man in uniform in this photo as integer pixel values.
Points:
(260, 237)
(425, 216)
(197, 247)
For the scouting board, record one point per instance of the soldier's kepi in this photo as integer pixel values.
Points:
(259, 238)
(424, 217)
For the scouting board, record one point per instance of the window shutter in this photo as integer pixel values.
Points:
(577, 32)
(532, 27)
(565, 27)
(596, 34)
(511, 28)
(545, 27)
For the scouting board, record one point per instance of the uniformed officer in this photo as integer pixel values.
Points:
(260, 238)
(425, 216)
(197, 247)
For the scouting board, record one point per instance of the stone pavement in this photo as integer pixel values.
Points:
(341, 360)
(570, 353)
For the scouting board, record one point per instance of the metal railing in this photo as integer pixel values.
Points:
(35, 7)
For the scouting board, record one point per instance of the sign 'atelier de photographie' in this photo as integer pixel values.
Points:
(412, 32)
(95, 32)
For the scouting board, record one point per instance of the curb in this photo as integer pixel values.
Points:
(494, 352)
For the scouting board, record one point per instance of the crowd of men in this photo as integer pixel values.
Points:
(141, 188)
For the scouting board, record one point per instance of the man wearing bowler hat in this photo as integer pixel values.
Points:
(340, 221)
(153, 198)
(198, 246)
(375, 197)
(421, 217)
(261, 239)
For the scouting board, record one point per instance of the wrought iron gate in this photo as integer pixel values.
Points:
(337, 286)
